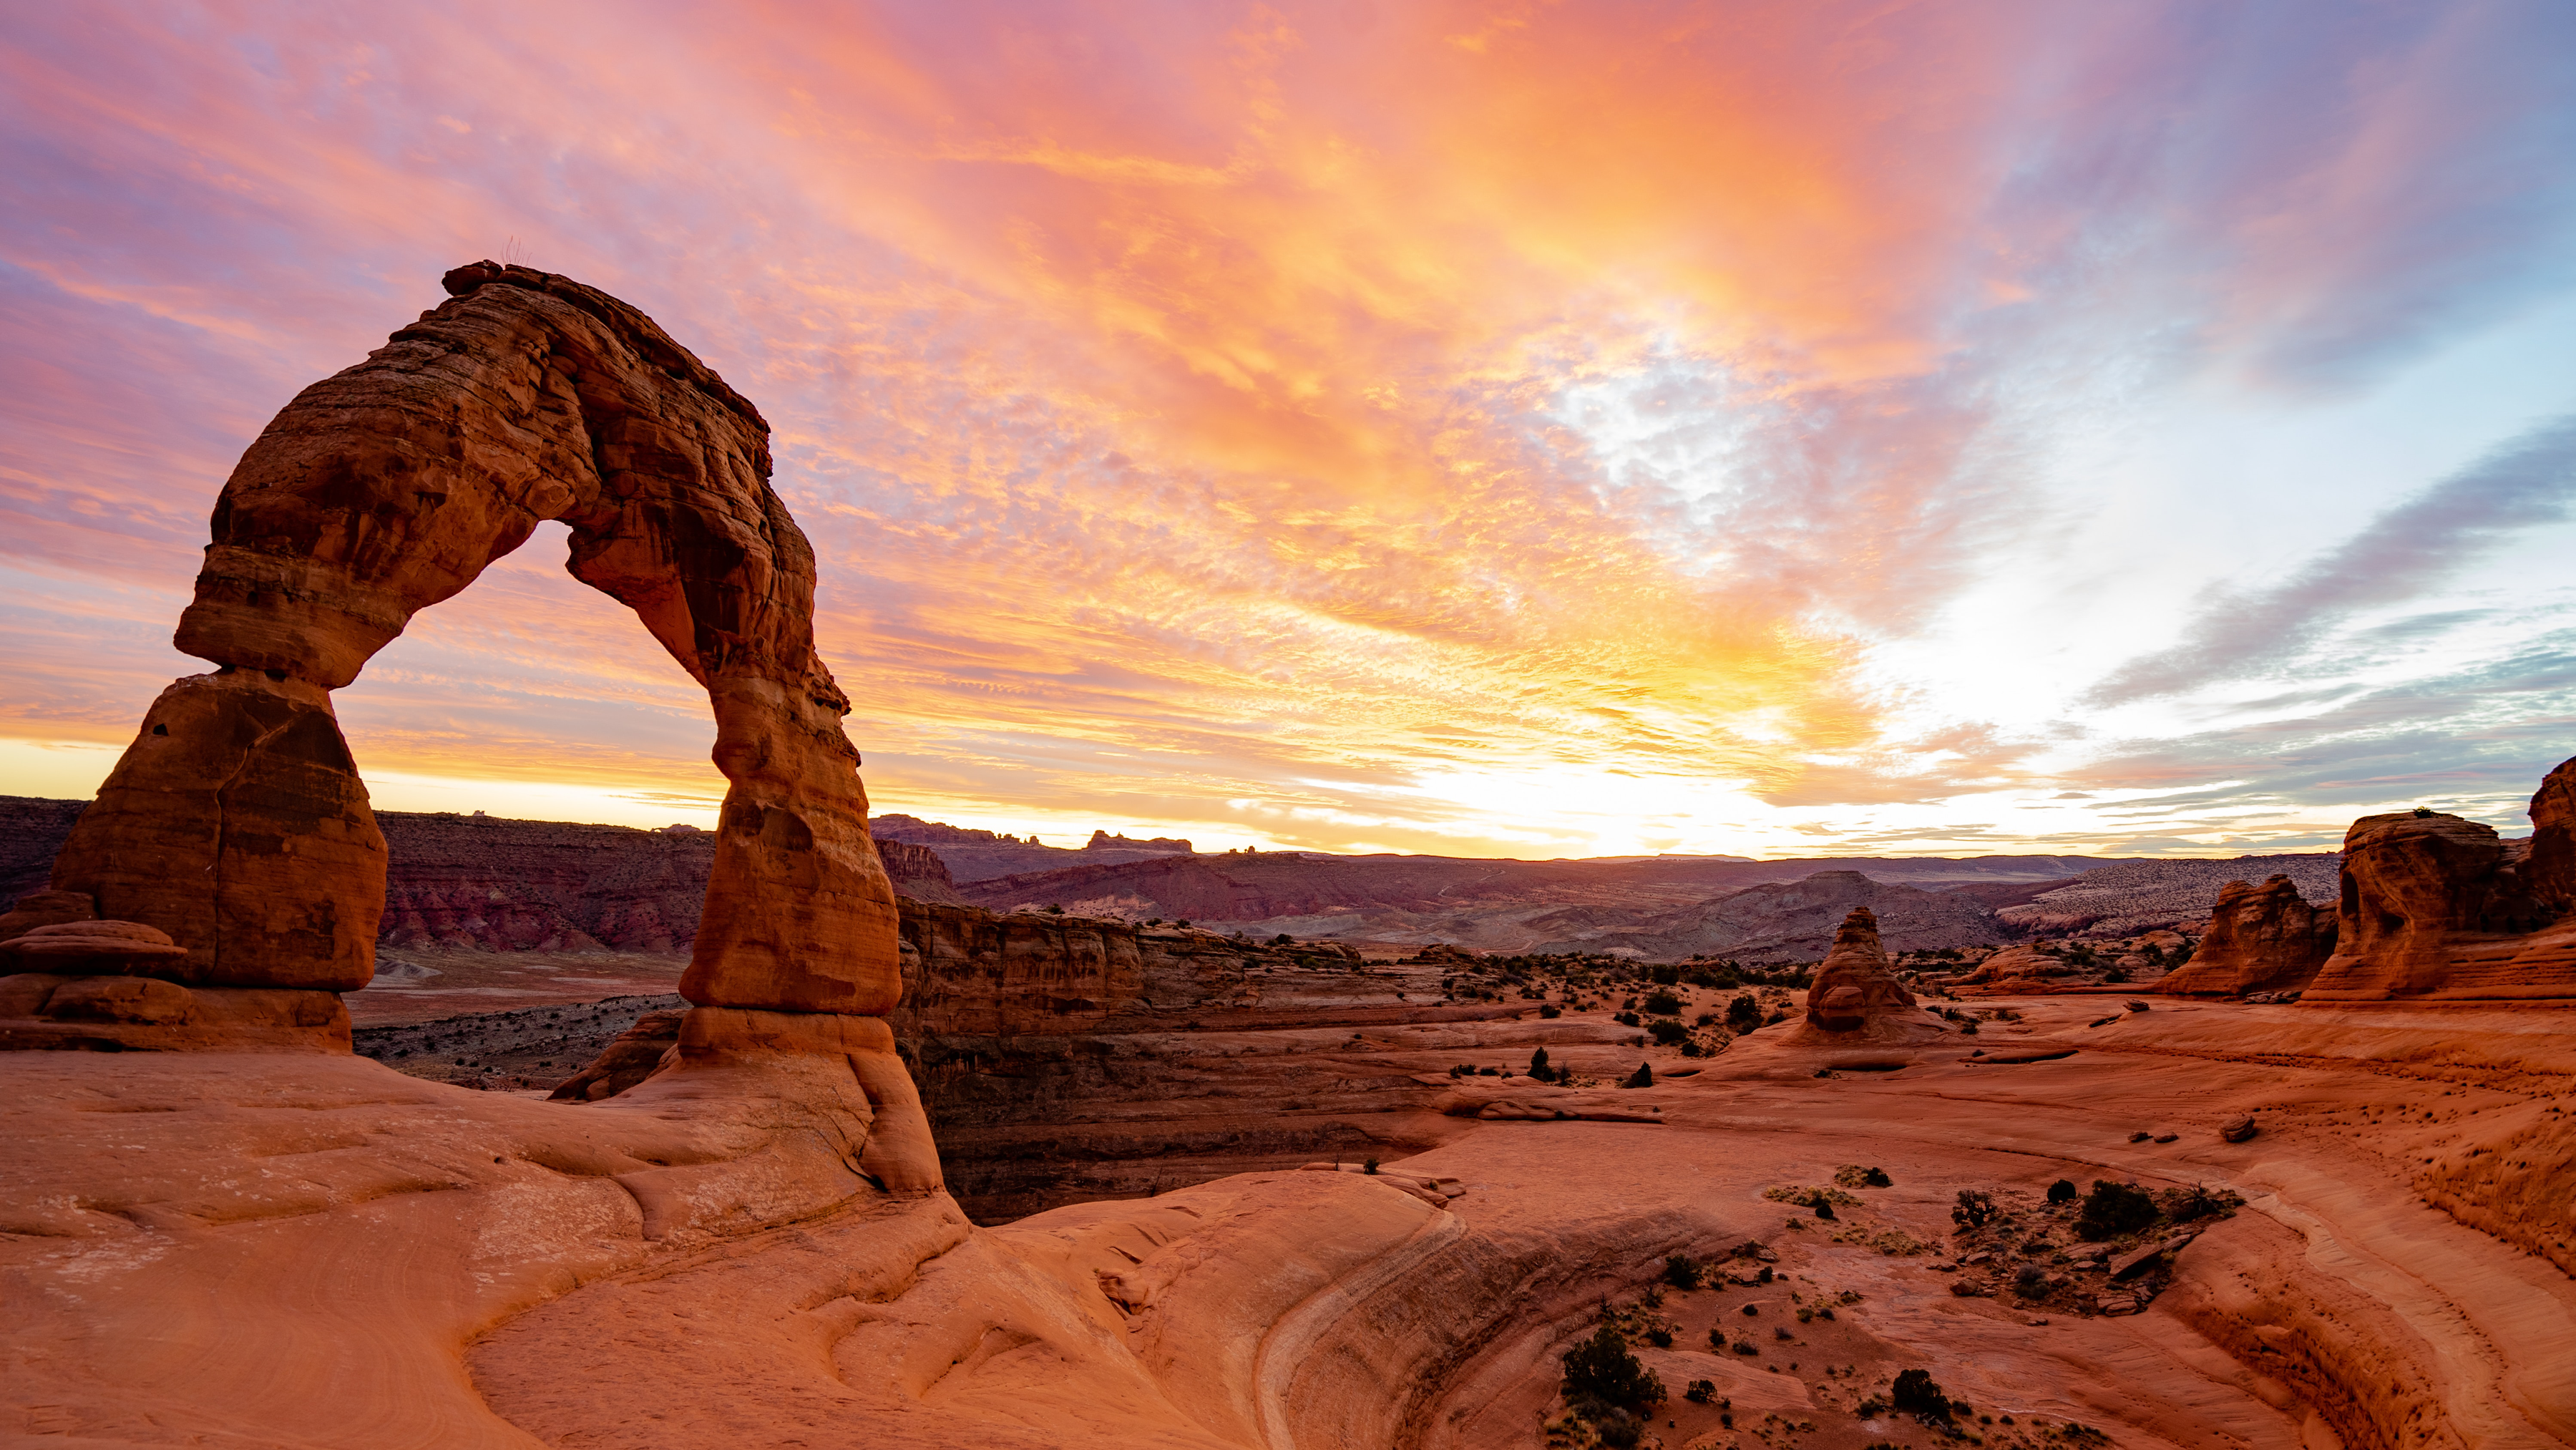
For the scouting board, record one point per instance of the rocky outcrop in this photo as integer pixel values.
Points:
(236, 821)
(2434, 906)
(1854, 986)
(2549, 873)
(2260, 938)
(1103, 841)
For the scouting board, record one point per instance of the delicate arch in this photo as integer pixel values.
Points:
(237, 822)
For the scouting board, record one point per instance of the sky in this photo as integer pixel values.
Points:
(1508, 429)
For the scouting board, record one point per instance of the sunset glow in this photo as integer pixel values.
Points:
(1510, 429)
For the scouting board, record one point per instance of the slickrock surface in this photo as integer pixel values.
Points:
(2260, 938)
(237, 1249)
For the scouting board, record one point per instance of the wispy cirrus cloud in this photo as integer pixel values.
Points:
(2426, 540)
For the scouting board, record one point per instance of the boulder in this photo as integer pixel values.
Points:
(2261, 938)
(2237, 1129)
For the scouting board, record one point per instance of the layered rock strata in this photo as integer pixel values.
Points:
(2260, 938)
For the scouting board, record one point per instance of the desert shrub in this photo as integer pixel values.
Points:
(1601, 1368)
(1743, 1014)
(1662, 1004)
(2112, 1209)
(2062, 1191)
(1852, 1175)
(1973, 1210)
(1619, 1431)
(2031, 1282)
(1824, 1207)
(1705, 1019)
(1746, 1346)
(1538, 1064)
(1700, 1392)
(1693, 1049)
(2183, 1205)
(1660, 1337)
(1644, 1076)
(1916, 1393)
(1369, 1166)
(1684, 1272)
(1667, 1031)
(1550, 1009)
(1805, 1196)
(1628, 1019)
(1283, 939)
(1664, 976)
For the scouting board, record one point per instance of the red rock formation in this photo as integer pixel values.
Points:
(236, 822)
(2550, 872)
(2432, 906)
(1854, 984)
(2260, 938)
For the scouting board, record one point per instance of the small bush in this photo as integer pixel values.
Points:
(1629, 1019)
(1824, 1207)
(1601, 1368)
(1700, 1392)
(1538, 1064)
(2183, 1205)
(1667, 1031)
(1684, 1272)
(2062, 1191)
(1746, 1346)
(2112, 1209)
(1974, 1210)
(1369, 1166)
(1283, 940)
(1916, 1393)
(1660, 1337)
(1550, 1009)
(1852, 1175)
(1743, 1014)
(2031, 1282)
(1619, 1432)
(1662, 1004)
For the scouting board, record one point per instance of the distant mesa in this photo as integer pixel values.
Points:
(899, 827)
(1103, 841)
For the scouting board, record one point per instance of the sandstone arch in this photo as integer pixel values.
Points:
(237, 822)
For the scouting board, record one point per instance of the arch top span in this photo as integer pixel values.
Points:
(237, 822)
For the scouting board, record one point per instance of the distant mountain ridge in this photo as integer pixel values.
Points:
(497, 884)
